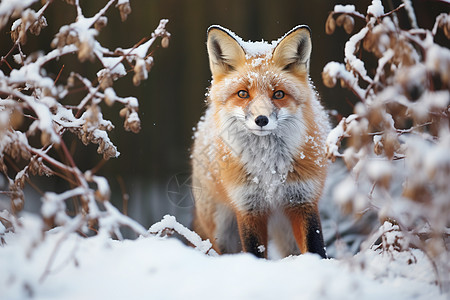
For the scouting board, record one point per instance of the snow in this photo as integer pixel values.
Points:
(411, 15)
(73, 267)
(350, 50)
(169, 222)
(252, 49)
(8, 7)
(336, 134)
(102, 186)
(113, 63)
(2, 228)
(438, 60)
(344, 8)
(142, 50)
(379, 169)
(376, 8)
(345, 191)
(338, 71)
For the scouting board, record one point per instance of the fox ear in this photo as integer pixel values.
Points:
(225, 53)
(294, 50)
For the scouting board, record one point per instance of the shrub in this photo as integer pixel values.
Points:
(397, 143)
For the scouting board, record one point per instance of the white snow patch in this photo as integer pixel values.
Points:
(164, 268)
(379, 169)
(376, 8)
(344, 8)
(9, 7)
(252, 49)
(350, 50)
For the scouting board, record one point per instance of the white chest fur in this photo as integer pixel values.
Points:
(268, 161)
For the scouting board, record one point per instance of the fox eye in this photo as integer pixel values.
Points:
(243, 94)
(278, 95)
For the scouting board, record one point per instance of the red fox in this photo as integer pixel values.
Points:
(259, 161)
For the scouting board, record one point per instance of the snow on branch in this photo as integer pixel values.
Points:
(394, 142)
(32, 103)
(169, 223)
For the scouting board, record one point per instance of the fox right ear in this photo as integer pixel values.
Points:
(225, 53)
(294, 50)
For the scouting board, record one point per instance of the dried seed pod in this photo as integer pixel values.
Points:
(64, 37)
(105, 79)
(16, 118)
(350, 158)
(375, 115)
(328, 80)
(330, 24)
(340, 19)
(149, 63)
(125, 10)
(378, 144)
(136, 80)
(101, 23)
(110, 96)
(391, 143)
(123, 112)
(447, 29)
(45, 138)
(349, 24)
(17, 198)
(368, 41)
(19, 181)
(38, 25)
(33, 166)
(417, 192)
(86, 50)
(15, 30)
(71, 80)
(24, 153)
(165, 42)
(140, 71)
(72, 38)
(132, 122)
(443, 22)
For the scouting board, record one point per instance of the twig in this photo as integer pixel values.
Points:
(3, 59)
(393, 11)
(27, 179)
(50, 159)
(76, 223)
(98, 166)
(125, 195)
(59, 74)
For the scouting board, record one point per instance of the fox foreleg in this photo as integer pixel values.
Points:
(307, 229)
(253, 232)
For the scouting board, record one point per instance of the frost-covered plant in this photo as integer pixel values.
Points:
(169, 225)
(33, 104)
(397, 142)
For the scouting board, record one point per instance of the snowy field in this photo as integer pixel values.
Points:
(72, 267)
(60, 264)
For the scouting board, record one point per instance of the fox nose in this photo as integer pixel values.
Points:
(261, 121)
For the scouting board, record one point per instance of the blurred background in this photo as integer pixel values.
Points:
(153, 168)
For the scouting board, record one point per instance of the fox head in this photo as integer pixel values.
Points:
(259, 88)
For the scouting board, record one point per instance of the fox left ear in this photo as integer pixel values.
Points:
(294, 50)
(225, 53)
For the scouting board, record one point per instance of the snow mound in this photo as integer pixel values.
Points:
(71, 267)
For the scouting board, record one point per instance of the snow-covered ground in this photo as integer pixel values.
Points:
(73, 267)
